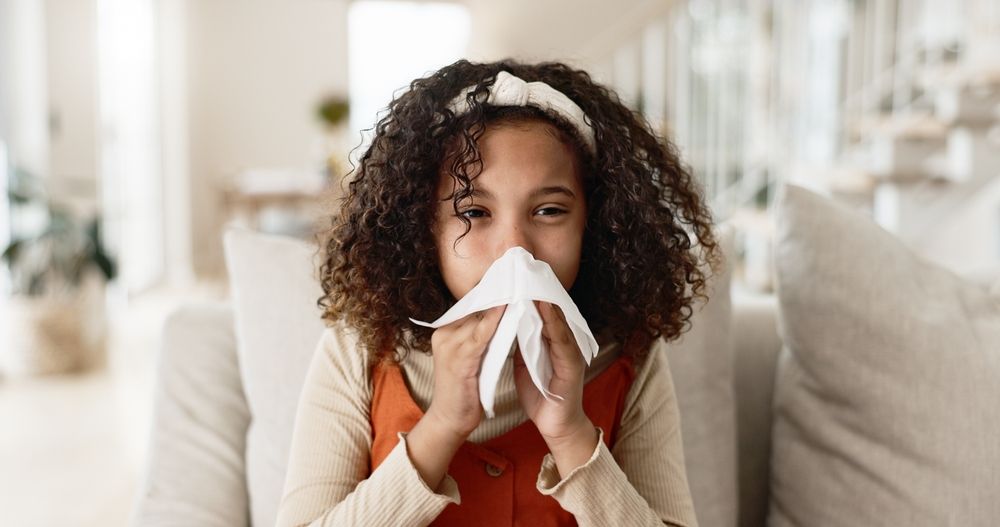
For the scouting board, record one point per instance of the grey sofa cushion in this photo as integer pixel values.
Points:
(886, 396)
(194, 474)
(757, 345)
(701, 362)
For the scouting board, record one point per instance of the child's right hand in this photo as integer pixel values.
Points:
(458, 350)
(455, 410)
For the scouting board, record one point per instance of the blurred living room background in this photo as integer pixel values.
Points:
(133, 131)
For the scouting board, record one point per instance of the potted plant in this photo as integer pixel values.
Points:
(58, 267)
(333, 111)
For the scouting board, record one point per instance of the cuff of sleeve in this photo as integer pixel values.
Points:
(447, 491)
(548, 476)
(597, 492)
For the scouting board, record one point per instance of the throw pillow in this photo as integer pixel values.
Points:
(887, 393)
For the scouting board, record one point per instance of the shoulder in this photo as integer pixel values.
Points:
(653, 384)
(655, 361)
(651, 367)
(340, 357)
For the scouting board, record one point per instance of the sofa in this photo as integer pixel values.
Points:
(864, 391)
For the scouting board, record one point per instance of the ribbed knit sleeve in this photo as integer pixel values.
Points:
(642, 481)
(326, 482)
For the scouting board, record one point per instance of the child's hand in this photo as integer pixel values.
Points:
(455, 410)
(567, 430)
(458, 352)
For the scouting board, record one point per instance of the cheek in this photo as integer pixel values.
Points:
(460, 274)
(460, 268)
(574, 249)
(567, 266)
(453, 247)
(563, 255)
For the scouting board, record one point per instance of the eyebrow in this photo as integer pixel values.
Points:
(544, 191)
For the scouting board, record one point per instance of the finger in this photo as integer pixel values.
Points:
(527, 393)
(486, 316)
(554, 326)
(543, 312)
(491, 317)
(559, 312)
(462, 323)
(567, 361)
(450, 333)
(488, 324)
(456, 333)
(467, 324)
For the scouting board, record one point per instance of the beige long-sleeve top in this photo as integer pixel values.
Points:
(640, 481)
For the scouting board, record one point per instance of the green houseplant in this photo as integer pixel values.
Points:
(333, 112)
(58, 266)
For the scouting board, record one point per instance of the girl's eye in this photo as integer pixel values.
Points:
(479, 213)
(472, 213)
(552, 211)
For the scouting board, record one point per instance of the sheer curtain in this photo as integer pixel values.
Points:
(130, 171)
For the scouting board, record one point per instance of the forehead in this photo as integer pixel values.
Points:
(519, 157)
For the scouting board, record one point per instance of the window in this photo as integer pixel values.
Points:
(392, 43)
(130, 171)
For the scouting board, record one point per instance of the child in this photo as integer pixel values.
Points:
(471, 161)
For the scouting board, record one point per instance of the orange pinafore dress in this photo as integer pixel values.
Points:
(496, 478)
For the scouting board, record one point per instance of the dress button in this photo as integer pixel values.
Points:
(493, 470)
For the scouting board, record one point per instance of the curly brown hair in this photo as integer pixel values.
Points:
(640, 268)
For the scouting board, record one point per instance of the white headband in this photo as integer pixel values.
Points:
(509, 90)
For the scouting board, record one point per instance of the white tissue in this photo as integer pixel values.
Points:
(516, 279)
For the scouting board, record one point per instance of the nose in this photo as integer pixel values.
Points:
(513, 234)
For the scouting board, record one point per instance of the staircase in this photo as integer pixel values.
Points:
(891, 106)
(926, 164)
(926, 175)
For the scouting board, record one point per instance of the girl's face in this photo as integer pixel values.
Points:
(529, 193)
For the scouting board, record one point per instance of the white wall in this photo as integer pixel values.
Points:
(583, 33)
(256, 69)
(72, 99)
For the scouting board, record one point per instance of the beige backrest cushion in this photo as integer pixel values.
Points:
(701, 363)
(887, 394)
(278, 324)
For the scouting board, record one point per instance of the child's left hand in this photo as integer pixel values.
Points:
(567, 430)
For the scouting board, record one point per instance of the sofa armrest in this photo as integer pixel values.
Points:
(757, 344)
(194, 472)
